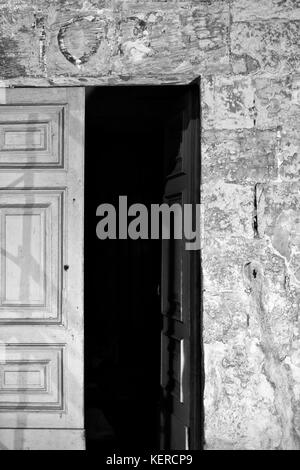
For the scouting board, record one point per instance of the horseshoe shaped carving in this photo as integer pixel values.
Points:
(93, 47)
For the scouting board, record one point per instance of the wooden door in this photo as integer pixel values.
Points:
(180, 286)
(41, 273)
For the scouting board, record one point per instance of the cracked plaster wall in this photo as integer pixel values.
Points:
(248, 56)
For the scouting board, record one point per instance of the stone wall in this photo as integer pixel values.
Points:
(251, 206)
(247, 53)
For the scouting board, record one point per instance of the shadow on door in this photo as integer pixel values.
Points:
(124, 155)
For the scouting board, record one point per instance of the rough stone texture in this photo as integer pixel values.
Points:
(247, 54)
(250, 152)
(249, 10)
(112, 41)
(243, 156)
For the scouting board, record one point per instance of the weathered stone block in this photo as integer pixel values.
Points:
(239, 156)
(211, 28)
(244, 367)
(279, 222)
(282, 321)
(249, 10)
(225, 315)
(21, 50)
(110, 42)
(239, 399)
(223, 262)
(293, 364)
(271, 46)
(228, 209)
(227, 103)
(288, 154)
(277, 102)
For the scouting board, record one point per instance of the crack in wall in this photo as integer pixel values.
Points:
(258, 207)
(255, 221)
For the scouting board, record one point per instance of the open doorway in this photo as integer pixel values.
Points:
(127, 152)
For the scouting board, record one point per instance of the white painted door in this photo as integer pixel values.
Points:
(41, 268)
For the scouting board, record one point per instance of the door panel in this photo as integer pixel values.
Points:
(31, 378)
(33, 135)
(41, 241)
(31, 245)
(177, 281)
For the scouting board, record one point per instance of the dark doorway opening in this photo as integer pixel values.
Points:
(124, 155)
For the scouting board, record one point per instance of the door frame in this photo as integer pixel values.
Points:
(196, 437)
(196, 385)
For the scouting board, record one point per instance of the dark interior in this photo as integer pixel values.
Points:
(124, 155)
